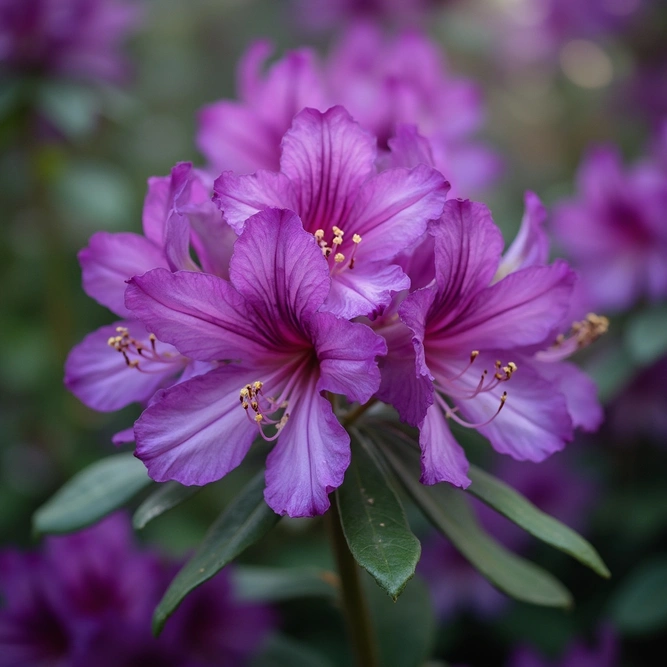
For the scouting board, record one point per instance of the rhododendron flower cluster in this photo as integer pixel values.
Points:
(383, 83)
(76, 39)
(614, 229)
(87, 599)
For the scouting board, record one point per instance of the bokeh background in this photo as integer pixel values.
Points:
(75, 157)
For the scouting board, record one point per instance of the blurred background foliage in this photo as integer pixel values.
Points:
(75, 159)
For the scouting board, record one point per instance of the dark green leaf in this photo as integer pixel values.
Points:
(91, 494)
(276, 584)
(162, 499)
(447, 509)
(406, 628)
(523, 513)
(244, 522)
(640, 603)
(374, 522)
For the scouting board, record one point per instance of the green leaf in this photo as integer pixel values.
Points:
(162, 499)
(523, 513)
(646, 335)
(447, 509)
(406, 628)
(244, 522)
(640, 603)
(91, 494)
(277, 584)
(374, 522)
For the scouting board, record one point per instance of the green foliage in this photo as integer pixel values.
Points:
(374, 523)
(640, 603)
(90, 495)
(523, 513)
(164, 498)
(277, 584)
(447, 509)
(244, 522)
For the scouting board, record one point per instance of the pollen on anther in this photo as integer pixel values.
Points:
(257, 385)
(337, 231)
(356, 238)
(339, 257)
(319, 234)
(259, 417)
(473, 355)
(337, 240)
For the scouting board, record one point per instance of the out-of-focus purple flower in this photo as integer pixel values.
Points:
(282, 354)
(537, 29)
(578, 654)
(382, 83)
(472, 332)
(361, 219)
(122, 363)
(88, 598)
(640, 412)
(76, 39)
(385, 82)
(614, 230)
(454, 584)
(322, 14)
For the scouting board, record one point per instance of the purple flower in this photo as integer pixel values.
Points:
(382, 83)
(121, 363)
(361, 219)
(578, 654)
(472, 332)
(76, 39)
(88, 598)
(614, 230)
(385, 82)
(276, 354)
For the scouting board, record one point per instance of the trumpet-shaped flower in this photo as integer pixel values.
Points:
(360, 219)
(482, 348)
(121, 363)
(276, 354)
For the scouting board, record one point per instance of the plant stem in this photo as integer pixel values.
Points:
(354, 602)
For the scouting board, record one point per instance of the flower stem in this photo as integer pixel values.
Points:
(354, 602)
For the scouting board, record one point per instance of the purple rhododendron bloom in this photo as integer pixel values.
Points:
(482, 325)
(77, 39)
(614, 230)
(282, 352)
(87, 599)
(121, 363)
(361, 219)
(382, 83)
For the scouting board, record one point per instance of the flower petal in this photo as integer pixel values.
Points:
(310, 458)
(442, 459)
(346, 353)
(531, 245)
(525, 308)
(534, 421)
(197, 431)
(240, 197)
(203, 316)
(110, 260)
(100, 378)
(279, 268)
(580, 393)
(365, 290)
(232, 135)
(409, 392)
(408, 148)
(393, 210)
(160, 199)
(467, 251)
(327, 156)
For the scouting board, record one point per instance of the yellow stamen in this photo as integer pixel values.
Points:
(339, 257)
(356, 238)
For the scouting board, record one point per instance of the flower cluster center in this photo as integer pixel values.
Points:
(332, 249)
(134, 351)
(454, 388)
(254, 401)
